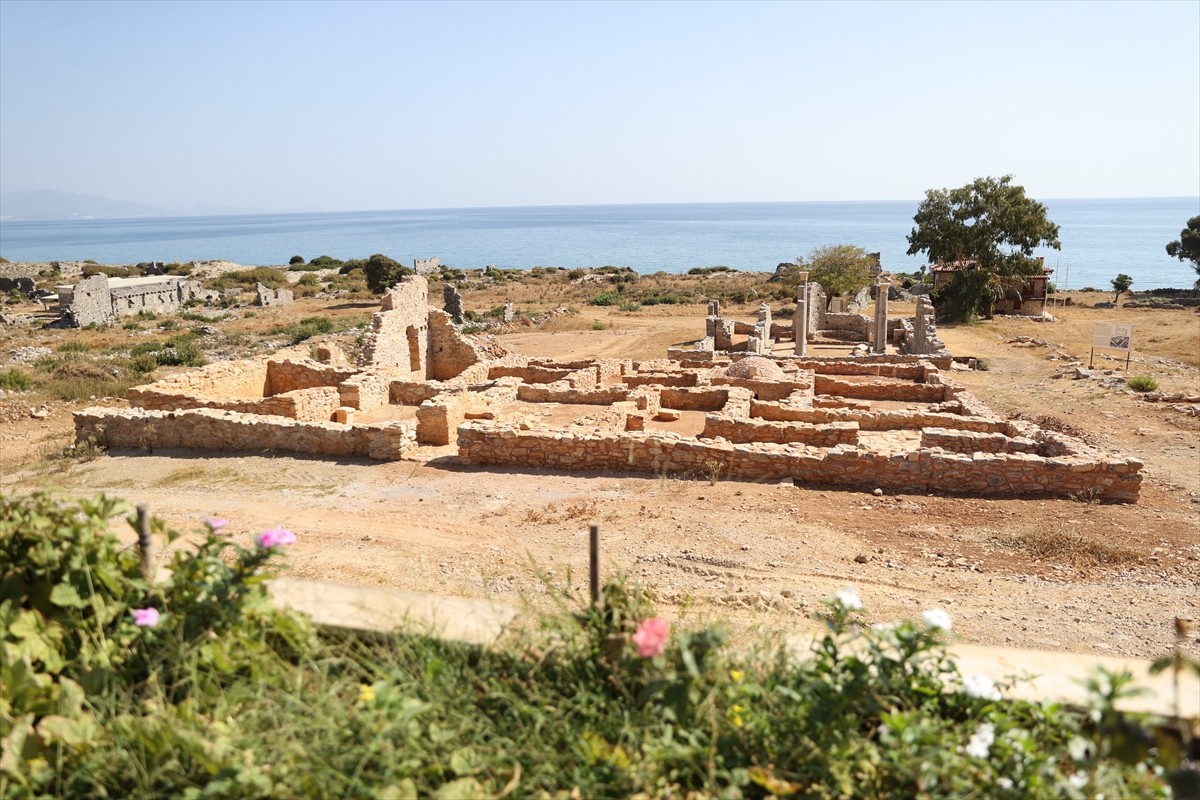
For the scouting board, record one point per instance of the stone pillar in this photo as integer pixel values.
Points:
(723, 338)
(452, 303)
(881, 304)
(800, 318)
(713, 319)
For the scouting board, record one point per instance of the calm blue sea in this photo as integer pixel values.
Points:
(1100, 238)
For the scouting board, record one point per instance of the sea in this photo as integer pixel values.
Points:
(1100, 237)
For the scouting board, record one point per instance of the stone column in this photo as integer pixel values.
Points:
(800, 318)
(881, 302)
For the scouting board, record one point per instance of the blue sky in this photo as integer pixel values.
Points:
(282, 105)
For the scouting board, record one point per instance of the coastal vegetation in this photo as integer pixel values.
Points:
(1187, 246)
(117, 684)
(991, 228)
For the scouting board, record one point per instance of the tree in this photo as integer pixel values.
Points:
(989, 223)
(383, 273)
(1121, 283)
(840, 269)
(1187, 246)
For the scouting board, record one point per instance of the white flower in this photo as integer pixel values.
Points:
(981, 686)
(1078, 780)
(937, 618)
(1004, 783)
(981, 741)
(848, 598)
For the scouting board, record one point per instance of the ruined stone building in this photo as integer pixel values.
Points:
(882, 420)
(99, 300)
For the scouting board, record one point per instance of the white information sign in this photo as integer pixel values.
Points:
(1112, 336)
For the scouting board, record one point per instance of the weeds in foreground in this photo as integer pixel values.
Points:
(197, 687)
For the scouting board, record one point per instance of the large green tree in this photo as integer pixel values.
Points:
(839, 268)
(989, 222)
(1187, 246)
(383, 273)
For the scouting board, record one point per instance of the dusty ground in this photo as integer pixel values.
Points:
(1110, 578)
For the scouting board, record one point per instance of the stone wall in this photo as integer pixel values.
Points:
(755, 430)
(399, 335)
(924, 470)
(450, 353)
(98, 300)
(265, 296)
(846, 327)
(210, 429)
(883, 389)
(971, 442)
(562, 392)
(880, 420)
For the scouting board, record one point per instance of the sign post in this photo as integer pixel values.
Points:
(1112, 336)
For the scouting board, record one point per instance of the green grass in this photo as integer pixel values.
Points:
(1141, 383)
(15, 379)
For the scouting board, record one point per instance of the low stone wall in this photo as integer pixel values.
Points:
(530, 373)
(872, 420)
(366, 390)
(884, 390)
(412, 393)
(209, 429)
(756, 430)
(562, 393)
(660, 379)
(287, 374)
(972, 442)
(226, 380)
(922, 470)
(694, 398)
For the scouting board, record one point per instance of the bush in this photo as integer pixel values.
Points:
(575, 274)
(1141, 383)
(383, 273)
(296, 260)
(246, 278)
(15, 379)
(709, 270)
(305, 329)
(607, 299)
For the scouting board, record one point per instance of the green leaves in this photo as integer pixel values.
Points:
(989, 221)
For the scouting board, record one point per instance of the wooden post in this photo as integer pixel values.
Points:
(594, 562)
(144, 543)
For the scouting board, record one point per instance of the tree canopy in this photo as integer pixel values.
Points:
(989, 222)
(1187, 246)
(1120, 284)
(839, 268)
(383, 273)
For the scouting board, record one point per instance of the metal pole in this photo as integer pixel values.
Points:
(594, 562)
(144, 542)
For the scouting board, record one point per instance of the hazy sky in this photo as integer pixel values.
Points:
(341, 106)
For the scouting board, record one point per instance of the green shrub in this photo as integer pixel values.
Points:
(305, 329)
(1141, 383)
(665, 297)
(383, 273)
(610, 298)
(296, 260)
(576, 274)
(143, 363)
(630, 305)
(326, 262)
(710, 270)
(15, 379)
(73, 346)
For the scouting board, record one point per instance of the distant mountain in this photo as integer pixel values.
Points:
(47, 204)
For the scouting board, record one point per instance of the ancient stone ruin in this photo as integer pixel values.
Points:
(877, 421)
(264, 296)
(99, 300)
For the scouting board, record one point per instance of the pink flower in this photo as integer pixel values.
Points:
(651, 637)
(215, 523)
(145, 617)
(276, 537)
